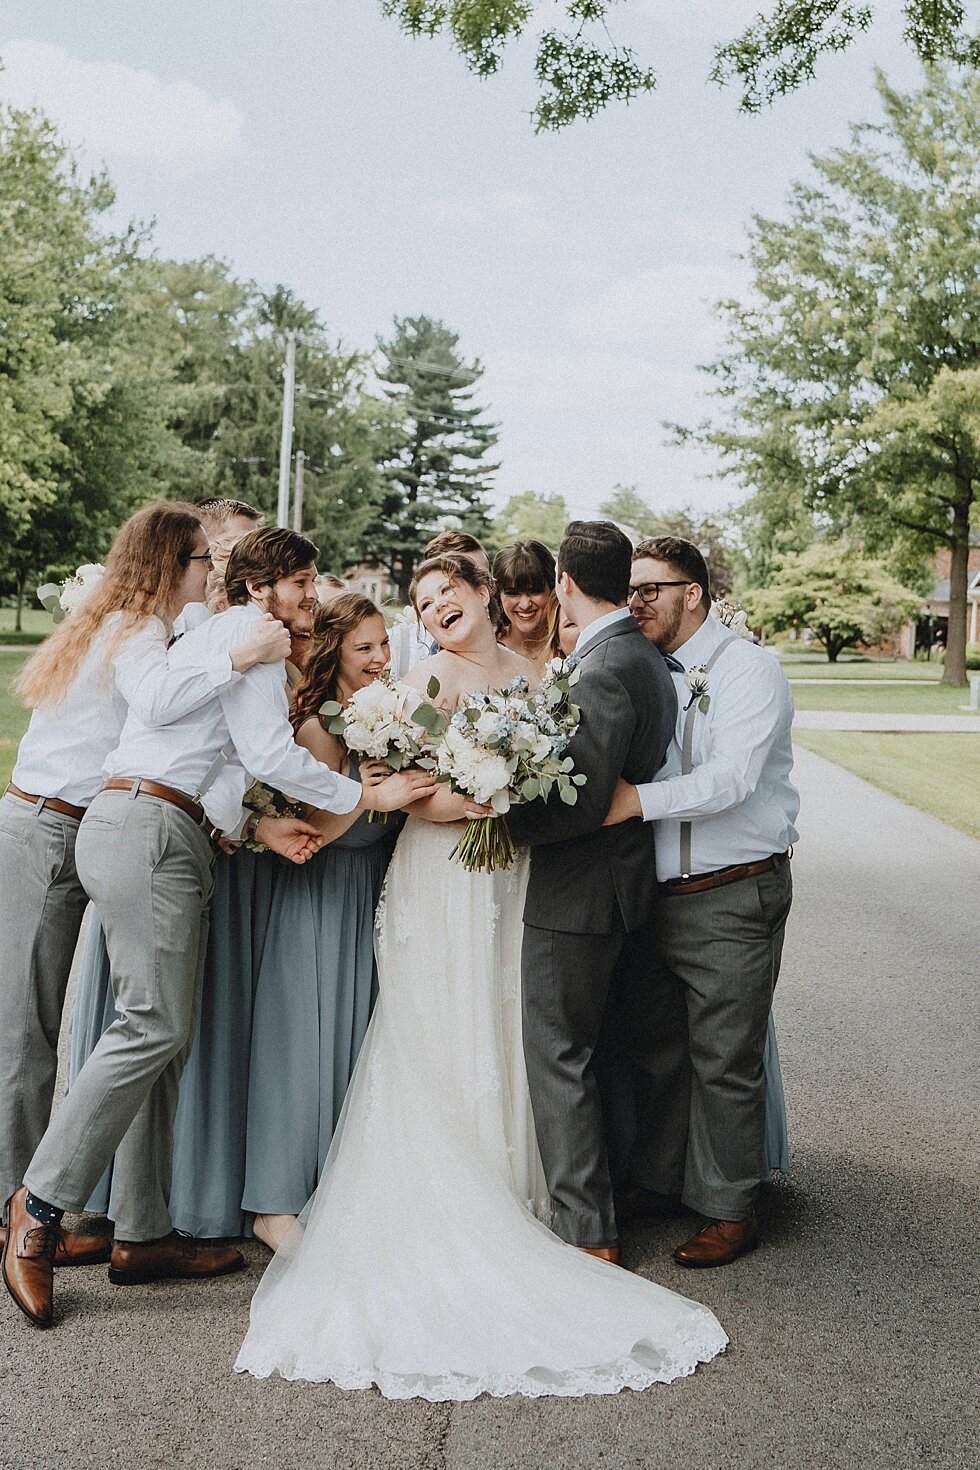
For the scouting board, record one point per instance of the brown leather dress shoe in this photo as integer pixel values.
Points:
(74, 1248)
(28, 1260)
(604, 1252)
(719, 1243)
(133, 1262)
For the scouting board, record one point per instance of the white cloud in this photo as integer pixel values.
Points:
(140, 126)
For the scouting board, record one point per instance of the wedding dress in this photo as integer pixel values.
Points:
(422, 1264)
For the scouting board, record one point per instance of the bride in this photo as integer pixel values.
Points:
(422, 1264)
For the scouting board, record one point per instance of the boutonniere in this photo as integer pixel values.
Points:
(697, 682)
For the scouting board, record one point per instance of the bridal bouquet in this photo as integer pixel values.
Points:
(385, 721)
(730, 615)
(65, 597)
(504, 747)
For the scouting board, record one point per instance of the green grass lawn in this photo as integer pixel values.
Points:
(939, 774)
(810, 666)
(34, 622)
(13, 716)
(887, 699)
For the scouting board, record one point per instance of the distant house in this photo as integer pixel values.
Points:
(932, 625)
(373, 582)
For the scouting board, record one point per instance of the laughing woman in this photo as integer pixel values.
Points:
(315, 984)
(524, 573)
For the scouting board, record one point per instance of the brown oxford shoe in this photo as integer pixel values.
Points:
(28, 1260)
(133, 1262)
(719, 1243)
(604, 1252)
(75, 1249)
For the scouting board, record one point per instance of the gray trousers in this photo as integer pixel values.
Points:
(695, 1021)
(41, 908)
(565, 981)
(147, 867)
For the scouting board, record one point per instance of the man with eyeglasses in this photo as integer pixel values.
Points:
(723, 809)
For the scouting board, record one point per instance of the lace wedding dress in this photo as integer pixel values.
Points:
(422, 1264)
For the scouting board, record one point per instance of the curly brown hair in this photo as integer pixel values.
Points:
(143, 573)
(331, 624)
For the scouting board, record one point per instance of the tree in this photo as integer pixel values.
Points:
(82, 433)
(629, 508)
(531, 517)
(435, 466)
(845, 598)
(581, 68)
(853, 376)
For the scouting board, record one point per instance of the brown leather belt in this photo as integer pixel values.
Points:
(52, 803)
(194, 809)
(701, 882)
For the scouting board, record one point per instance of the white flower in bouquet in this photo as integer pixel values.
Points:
(730, 615)
(69, 595)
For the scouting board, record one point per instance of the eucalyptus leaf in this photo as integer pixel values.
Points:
(433, 687)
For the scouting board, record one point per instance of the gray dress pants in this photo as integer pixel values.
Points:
(565, 981)
(695, 1025)
(147, 867)
(41, 908)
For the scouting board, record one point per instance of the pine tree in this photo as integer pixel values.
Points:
(436, 469)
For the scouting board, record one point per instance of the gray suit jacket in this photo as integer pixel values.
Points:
(582, 872)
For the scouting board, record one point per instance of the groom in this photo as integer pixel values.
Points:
(589, 886)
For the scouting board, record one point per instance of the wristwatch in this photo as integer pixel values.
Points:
(251, 822)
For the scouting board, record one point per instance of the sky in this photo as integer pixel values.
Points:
(311, 142)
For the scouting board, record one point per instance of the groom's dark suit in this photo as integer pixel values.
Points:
(589, 886)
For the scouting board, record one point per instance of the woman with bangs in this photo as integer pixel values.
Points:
(524, 573)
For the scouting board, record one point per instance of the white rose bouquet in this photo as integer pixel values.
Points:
(64, 597)
(504, 747)
(385, 721)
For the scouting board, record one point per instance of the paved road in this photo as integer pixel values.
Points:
(828, 719)
(854, 1331)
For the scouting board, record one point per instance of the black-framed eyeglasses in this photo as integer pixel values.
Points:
(650, 591)
(201, 556)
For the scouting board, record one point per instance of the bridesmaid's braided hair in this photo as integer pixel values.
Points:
(331, 625)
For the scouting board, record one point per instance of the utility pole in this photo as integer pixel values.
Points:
(286, 442)
(298, 491)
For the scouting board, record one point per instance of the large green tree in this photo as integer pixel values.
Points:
(528, 516)
(437, 467)
(845, 598)
(581, 67)
(852, 376)
(82, 349)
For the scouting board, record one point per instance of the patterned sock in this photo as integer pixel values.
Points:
(41, 1210)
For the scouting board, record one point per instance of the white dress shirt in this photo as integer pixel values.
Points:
(409, 643)
(66, 744)
(251, 714)
(739, 798)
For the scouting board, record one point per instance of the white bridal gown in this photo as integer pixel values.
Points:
(420, 1265)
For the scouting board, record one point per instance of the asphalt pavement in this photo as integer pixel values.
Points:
(853, 1328)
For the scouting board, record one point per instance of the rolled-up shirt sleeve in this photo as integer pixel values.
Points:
(157, 693)
(755, 710)
(257, 713)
